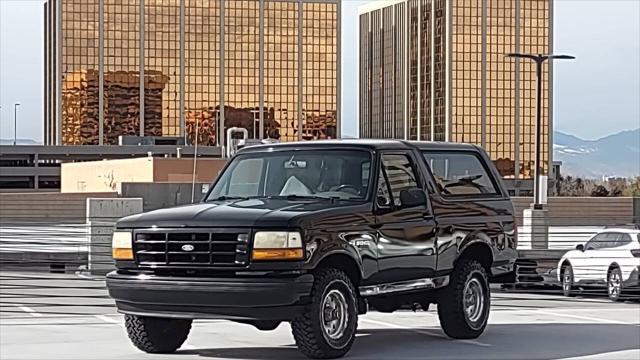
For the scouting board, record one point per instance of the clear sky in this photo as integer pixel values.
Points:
(595, 95)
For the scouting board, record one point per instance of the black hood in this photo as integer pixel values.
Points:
(241, 213)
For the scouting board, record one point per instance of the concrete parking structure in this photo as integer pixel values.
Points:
(70, 316)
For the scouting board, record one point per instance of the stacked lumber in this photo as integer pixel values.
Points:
(319, 125)
(207, 120)
(80, 122)
(79, 103)
(506, 167)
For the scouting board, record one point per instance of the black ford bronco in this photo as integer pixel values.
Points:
(315, 234)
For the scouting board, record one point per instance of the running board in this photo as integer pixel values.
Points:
(401, 286)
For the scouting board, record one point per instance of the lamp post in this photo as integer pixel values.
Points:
(15, 123)
(539, 59)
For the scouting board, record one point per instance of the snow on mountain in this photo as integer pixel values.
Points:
(613, 155)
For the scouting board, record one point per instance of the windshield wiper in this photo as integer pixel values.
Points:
(228, 197)
(304, 197)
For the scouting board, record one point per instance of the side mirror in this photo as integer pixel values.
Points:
(412, 198)
(382, 201)
(580, 247)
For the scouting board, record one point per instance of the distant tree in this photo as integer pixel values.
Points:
(633, 189)
(616, 191)
(600, 191)
(579, 188)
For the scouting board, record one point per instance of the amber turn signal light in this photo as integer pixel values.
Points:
(122, 254)
(277, 254)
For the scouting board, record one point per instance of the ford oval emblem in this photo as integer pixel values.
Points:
(187, 247)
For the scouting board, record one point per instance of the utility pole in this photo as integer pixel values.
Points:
(15, 123)
(539, 59)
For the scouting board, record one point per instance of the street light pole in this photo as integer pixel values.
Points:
(15, 123)
(539, 59)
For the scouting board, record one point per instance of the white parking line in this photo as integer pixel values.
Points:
(425, 332)
(28, 310)
(580, 317)
(109, 320)
(390, 325)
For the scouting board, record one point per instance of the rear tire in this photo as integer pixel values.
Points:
(614, 285)
(157, 335)
(567, 281)
(328, 326)
(463, 306)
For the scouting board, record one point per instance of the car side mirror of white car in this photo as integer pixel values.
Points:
(580, 247)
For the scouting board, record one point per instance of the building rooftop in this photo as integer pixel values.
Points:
(97, 152)
(378, 4)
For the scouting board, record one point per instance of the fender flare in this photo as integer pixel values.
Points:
(476, 237)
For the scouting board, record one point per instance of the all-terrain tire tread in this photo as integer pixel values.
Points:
(451, 315)
(302, 326)
(140, 335)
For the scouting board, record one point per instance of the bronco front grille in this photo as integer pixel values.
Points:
(192, 248)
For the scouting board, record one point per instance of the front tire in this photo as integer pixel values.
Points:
(328, 327)
(157, 335)
(463, 306)
(567, 281)
(614, 284)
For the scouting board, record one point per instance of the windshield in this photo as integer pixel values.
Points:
(296, 174)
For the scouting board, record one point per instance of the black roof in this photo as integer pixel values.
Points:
(372, 144)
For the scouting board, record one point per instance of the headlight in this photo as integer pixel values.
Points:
(277, 245)
(121, 245)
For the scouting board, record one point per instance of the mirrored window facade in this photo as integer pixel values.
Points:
(459, 86)
(181, 68)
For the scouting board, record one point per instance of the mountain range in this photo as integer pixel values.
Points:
(19, 142)
(614, 155)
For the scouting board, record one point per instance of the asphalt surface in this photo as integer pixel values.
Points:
(65, 316)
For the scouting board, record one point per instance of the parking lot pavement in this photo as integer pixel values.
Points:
(46, 316)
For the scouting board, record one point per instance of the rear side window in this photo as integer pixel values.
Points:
(460, 173)
(624, 239)
(611, 240)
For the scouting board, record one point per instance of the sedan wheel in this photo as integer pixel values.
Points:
(614, 284)
(567, 281)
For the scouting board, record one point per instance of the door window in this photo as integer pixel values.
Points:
(597, 242)
(400, 175)
(383, 196)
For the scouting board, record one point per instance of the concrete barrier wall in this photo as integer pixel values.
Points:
(163, 195)
(102, 215)
(585, 211)
(41, 207)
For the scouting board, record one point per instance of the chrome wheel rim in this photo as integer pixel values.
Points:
(473, 300)
(335, 316)
(567, 279)
(614, 284)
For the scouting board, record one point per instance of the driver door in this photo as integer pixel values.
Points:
(583, 262)
(406, 236)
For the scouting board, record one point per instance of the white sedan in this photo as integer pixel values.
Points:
(609, 259)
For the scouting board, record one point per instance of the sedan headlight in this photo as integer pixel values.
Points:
(277, 245)
(121, 245)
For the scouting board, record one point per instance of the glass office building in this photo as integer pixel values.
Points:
(191, 68)
(436, 70)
